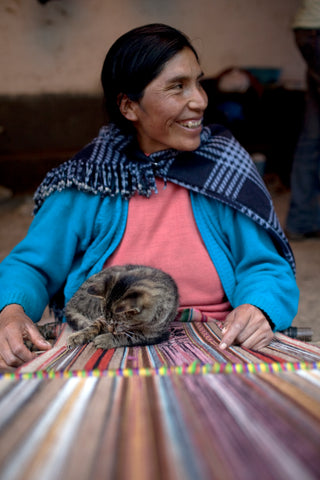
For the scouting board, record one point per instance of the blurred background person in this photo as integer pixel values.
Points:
(303, 219)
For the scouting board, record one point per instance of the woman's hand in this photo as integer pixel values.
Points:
(247, 326)
(15, 328)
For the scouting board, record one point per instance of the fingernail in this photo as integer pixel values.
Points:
(224, 330)
(223, 346)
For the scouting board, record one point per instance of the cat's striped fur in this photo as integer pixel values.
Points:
(121, 306)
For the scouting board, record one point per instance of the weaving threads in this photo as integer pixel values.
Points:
(191, 408)
(194, 368)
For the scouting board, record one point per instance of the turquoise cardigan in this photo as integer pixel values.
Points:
(74, 233)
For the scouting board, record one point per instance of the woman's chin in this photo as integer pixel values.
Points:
(189, 145)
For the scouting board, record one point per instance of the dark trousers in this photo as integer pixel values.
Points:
(304, 210)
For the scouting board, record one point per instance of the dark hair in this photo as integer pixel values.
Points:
(134, 60)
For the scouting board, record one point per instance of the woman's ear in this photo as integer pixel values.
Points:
(127, 107)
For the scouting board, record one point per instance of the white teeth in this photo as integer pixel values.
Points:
(192, 124)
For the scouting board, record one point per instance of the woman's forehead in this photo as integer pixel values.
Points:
(181, 66)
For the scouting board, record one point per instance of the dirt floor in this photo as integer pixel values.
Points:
(16, 215)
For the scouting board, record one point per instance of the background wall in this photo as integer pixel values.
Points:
(60, 46)
(51, 57)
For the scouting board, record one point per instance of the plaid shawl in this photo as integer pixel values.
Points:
(220, 168)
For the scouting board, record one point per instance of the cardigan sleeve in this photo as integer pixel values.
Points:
(250, 267)
(39, 265)
(263, 277)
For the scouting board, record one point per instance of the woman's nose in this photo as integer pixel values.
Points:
(199, 99)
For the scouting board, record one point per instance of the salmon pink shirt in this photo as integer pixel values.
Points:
(161, 232)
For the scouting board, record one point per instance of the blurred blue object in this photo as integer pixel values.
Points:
(232, 110)
(265, 75)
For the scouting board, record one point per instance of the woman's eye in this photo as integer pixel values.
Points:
(177, 86)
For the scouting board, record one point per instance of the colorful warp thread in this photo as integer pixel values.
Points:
(191, 349)
(194, 369)
(181, 409)
(207, 427)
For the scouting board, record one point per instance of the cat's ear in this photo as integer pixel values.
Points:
(96, 290)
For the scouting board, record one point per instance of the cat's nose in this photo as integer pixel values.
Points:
(110, 328)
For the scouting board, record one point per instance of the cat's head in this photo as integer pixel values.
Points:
(123, 300)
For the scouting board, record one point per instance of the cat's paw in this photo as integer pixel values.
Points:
(76, 339)
(105, 341)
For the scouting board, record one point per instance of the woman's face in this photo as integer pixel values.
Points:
(170, 113)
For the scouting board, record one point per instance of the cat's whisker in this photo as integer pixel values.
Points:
(130, 335)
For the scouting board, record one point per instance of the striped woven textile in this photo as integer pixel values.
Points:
(239, 426)
(178, 410)
(191, 345)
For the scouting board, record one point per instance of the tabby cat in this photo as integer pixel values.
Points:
(121, 306)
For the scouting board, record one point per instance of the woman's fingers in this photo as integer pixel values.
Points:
(15, 328)
(246, 325)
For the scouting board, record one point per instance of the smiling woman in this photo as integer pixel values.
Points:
(170, 113)
(154, 188)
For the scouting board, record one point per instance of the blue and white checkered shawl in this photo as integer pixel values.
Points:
(220, 168)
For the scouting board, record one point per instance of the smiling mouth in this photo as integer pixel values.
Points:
(191, 124)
